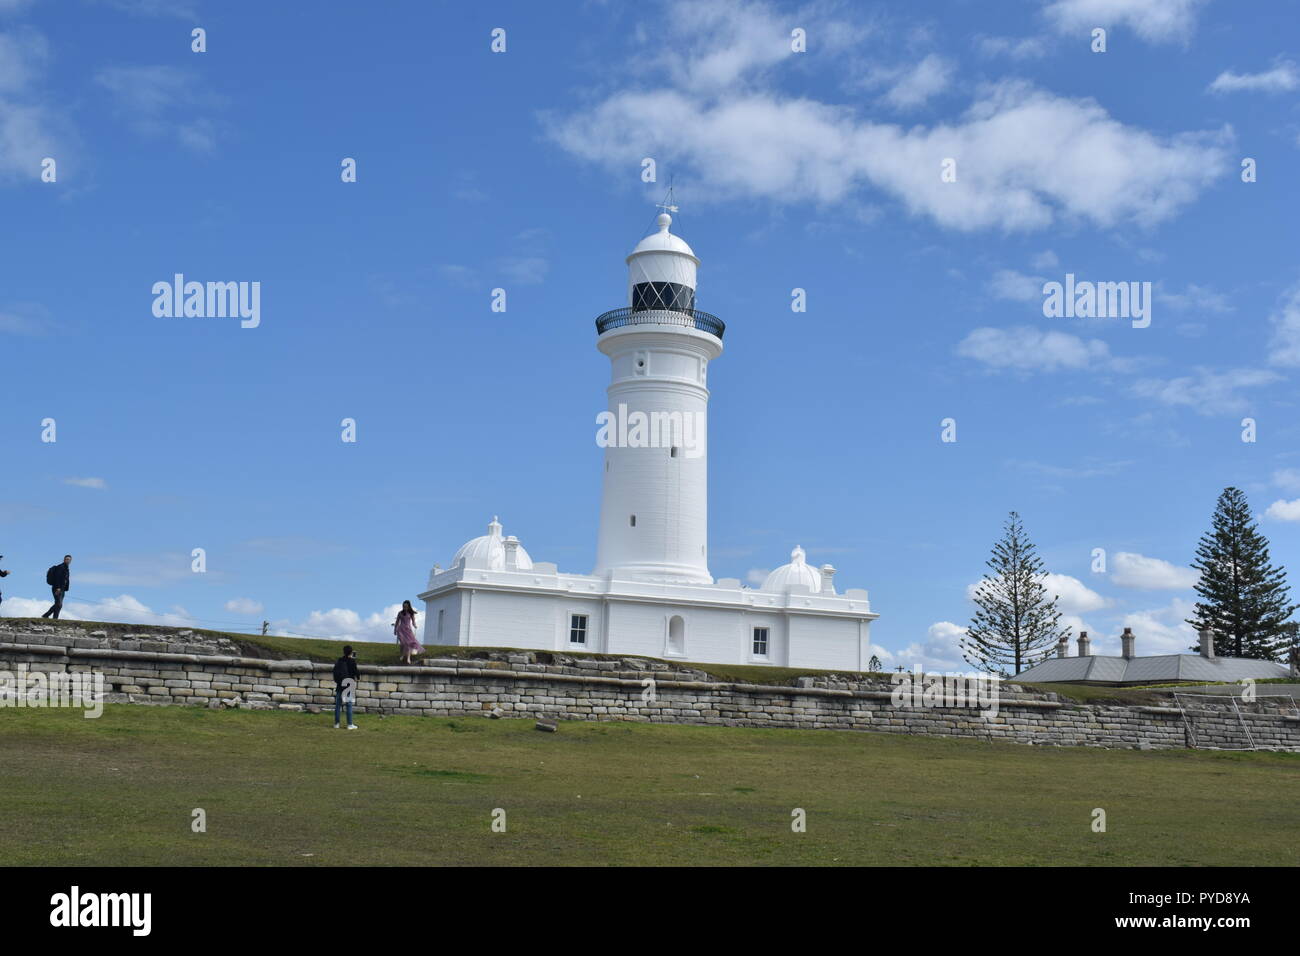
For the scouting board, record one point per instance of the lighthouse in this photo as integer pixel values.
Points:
(651, 592)
(655, 500)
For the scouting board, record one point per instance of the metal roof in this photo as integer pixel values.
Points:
(1099, 668)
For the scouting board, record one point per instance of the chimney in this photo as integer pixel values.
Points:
(1126, 641)
(828, 583)
(1085, 650)
(512, 552)
(1207, 644)
(1063, 646)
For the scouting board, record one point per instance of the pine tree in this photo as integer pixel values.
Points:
(873, 665)
(1016, 624)
(1245, 599)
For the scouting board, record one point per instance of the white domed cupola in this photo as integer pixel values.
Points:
(796, 576)
(488, 552)
(661, 271)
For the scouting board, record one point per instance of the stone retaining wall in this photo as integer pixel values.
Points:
(198, 670)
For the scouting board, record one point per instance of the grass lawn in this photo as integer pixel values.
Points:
(287, 789)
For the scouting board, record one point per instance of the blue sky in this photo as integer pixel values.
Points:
(521, 170)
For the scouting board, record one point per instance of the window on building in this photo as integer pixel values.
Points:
(441, 612)
(634, 521)
(578, 629)
(760, 642)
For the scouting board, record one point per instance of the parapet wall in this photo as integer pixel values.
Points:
(200, 670)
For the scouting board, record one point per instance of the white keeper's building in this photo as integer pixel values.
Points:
(651, 592)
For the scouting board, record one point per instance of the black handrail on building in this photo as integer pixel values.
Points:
(692, 318)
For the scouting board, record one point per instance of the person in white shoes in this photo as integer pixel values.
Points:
(345, 684)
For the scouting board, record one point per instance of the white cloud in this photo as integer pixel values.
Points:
(1016, 286)
(147, 90)
(756, 576)
(524, 270)
(343, 624)
(1026, 159)
(1282, 510)
(23, 54)
(1087, 468)
(86, 482)
(940, 652)
(162, 101)
(1207, 392)
(242, 605)
(1129, 570)
(910, 87)
(1288, 478)
(683, 42)
(124, 609)
(1017, 48)
(1074, 597)
(1158, 631)
(1156, 21)
(1283, 78)
(1195, 298)
(199, 135)
(336, 624)
(25, 318)
(1026, 348)
(463, 276)
(30, 130)
(1045, 260)
(182, 9)
(1285, 344)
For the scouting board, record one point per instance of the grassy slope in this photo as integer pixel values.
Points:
(286, 789)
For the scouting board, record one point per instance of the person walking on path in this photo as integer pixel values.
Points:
(404, 628)
(345, 684)
(59, 580)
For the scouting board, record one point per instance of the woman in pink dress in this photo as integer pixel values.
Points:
(404, 628)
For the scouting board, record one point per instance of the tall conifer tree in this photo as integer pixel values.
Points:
(1016, 623)
(1245, 600)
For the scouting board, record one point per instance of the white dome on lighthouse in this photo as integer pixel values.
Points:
(488, 551)
(663, 240)
(795, 574)
(661, 271)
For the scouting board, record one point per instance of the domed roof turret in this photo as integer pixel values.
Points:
(488, 552)
(661, 271)
(796, 574)
(663, 240)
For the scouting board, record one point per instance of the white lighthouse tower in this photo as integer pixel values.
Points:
(655, 503)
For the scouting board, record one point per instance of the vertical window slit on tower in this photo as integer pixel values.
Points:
(634, 521)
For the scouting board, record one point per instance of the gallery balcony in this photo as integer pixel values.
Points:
(690, 318)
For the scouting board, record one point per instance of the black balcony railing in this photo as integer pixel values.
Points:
(691, 318)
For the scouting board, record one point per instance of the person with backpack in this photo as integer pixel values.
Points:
(59, 580)
(345, 684)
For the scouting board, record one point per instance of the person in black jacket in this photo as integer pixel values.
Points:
(59, 580)
(345, 670)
